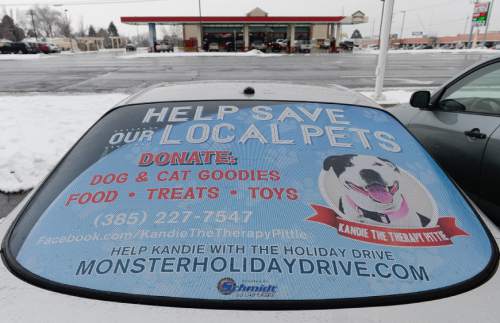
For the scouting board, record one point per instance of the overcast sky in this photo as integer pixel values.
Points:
(432, 17)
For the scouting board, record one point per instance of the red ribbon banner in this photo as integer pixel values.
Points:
(439, 235)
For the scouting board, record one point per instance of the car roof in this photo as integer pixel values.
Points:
(264, 90)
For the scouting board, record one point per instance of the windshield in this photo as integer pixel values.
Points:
(250, 201)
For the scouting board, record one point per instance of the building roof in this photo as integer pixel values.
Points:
(135, 20)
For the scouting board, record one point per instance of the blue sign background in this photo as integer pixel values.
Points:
(299, 166)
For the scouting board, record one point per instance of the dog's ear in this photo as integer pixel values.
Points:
(338, 163)
(389, 163)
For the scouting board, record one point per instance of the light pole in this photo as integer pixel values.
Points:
(469, 45)
(402, 24)
(381, 21)
(201, 29)
(490, 11)
(68, 29)
(466, 22)
(384, 46)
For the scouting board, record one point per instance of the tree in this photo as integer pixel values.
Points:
(81, 28)
(31, 33)
(356, 34)
(9, 30)
(47, 20)
(64, 26)
(104, 34)
(92, 32)
(112, 31)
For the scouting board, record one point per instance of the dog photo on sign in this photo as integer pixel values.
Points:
(373, 190)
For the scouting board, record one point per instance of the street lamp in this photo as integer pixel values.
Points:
(68, 29)
(66, 21)
(402, 24)
(201, 30)
(381, 21)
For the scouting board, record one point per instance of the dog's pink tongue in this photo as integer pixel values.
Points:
(379, 193)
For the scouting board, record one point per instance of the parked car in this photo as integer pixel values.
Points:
(260, 45)
(249, 197)
(54, 48)
(164, 47)
(32, 48)
(44, 47)
(213, 47)
(276, 47)
(19, 48)
(229, 46)
(130, 47)
(282, 42)
(5, 46)
(303, 46)
(346, 45)
(460, 127)
(325, 44)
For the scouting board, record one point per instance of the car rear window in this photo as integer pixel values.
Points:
(250, 204)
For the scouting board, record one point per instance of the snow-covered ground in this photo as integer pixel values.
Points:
(38, 129)
(21, 57)
(391, 97)
(431, 51)
(251, 53)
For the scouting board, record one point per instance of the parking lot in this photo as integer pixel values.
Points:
(114, 72)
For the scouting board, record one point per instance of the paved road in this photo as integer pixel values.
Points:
(104, 72)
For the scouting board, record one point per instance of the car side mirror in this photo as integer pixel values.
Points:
(420, 99)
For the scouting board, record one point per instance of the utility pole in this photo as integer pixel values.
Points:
(490, 11)
(201, 29)
(384, 46)
(381, 21)
(466, 22)
(469, 45)
(69, 30)
(402, 24)
(33, 23)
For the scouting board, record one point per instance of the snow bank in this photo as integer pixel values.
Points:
(37, 130)
(391, 97)
(252, 53)
(21, 57)
(432, 51)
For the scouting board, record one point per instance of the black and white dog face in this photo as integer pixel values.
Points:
(370, 190)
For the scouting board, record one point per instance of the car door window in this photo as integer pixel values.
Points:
(478, 92)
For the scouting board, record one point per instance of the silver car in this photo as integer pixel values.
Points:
(264, 199)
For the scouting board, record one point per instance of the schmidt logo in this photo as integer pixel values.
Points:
(226, 286)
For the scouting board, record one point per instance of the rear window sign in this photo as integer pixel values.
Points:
(258, 200)
(393, 209)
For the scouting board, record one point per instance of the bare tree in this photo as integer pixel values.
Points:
(81, 28)
(64, 26)
(47, 20)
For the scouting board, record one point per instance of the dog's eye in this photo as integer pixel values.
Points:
(394, 188)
